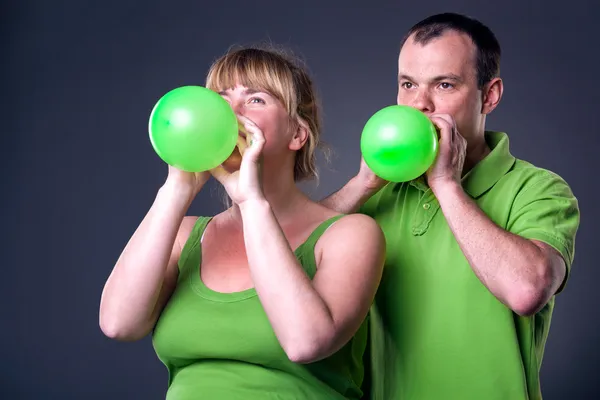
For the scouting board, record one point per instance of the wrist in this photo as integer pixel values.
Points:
(254, 206)
(365, 188)
(445, 187)
(177, 191)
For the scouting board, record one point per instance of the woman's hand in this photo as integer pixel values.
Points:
(190, 182)
(246, 183)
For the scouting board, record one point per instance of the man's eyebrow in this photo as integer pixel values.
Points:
(438, 78)
(405, 77)
(447, 77)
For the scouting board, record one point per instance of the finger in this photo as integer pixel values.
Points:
(452, 128)
(242, 144)
(253, 130)
(243, 131)
(444, 127)
(446, 117)
(253, 152)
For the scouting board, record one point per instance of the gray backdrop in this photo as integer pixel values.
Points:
(79, 79)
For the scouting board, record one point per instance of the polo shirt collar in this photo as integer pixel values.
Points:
(488, 171)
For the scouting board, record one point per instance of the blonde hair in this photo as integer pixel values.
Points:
(280, 74)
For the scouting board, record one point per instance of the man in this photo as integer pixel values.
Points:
(477, 248)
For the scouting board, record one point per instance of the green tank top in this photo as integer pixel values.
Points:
(221, 345)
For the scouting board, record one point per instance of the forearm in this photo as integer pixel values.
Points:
(349, 198)
(132, 289)
(298, 315)
(513, 268)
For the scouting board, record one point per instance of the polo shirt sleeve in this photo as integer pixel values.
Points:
(547, 210)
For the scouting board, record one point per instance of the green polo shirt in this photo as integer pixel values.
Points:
(437, 332)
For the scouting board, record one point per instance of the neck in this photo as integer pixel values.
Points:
(282, 193)
(477, 150)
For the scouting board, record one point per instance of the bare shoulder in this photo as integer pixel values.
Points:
(358, 226)
(349, 226)
(186, 227)
(353, 234)
(183, 234)
(354, 244)
(188, 223)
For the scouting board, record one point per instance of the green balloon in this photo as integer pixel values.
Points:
(193, 128)
(399, 143)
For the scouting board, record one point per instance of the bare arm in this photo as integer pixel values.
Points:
(146, 272)
(356, 192)
(523, 274)
(313, 319)
(348, 199)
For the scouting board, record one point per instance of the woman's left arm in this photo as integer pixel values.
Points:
(314, 319)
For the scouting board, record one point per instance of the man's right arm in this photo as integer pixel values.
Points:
(350, 197)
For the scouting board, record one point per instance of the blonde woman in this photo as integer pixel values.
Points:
(268, 299)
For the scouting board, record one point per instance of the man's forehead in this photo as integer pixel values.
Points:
(447, 37)
(452, 51)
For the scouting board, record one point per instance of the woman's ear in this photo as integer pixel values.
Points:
(300, 135)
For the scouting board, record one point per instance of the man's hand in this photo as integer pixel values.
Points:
(449, 163)
(369, 180)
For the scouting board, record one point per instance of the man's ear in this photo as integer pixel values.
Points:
(492, 93)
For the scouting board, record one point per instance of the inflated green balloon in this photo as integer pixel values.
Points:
(399, 143)
(193, 128)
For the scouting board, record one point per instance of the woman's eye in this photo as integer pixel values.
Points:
(257, 100)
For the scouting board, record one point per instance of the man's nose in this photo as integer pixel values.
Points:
(421, 100)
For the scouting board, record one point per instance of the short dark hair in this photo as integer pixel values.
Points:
(488, 47)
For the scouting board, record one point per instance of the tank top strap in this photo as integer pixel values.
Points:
(306, 252)
(193, 242)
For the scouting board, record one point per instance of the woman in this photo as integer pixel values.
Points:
(269, 298)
